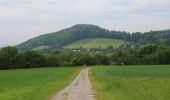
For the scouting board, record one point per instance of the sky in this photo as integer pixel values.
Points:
(21, 20)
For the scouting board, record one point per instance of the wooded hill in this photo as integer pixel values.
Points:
(86, 31)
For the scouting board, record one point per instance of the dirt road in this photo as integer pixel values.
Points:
(79, 89)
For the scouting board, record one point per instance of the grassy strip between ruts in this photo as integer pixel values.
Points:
(150, 82)
(34, 84)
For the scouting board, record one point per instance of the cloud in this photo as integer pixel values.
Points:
(153, 2)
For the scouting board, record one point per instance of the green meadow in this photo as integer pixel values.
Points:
(96, 43)
(131, 82)
(34, 84)
(41, 47)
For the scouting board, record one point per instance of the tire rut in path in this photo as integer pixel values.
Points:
(79, 89)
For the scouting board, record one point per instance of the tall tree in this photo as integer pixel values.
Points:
(7, 55)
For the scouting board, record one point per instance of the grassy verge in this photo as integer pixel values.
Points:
(131, 82)
(34, 84)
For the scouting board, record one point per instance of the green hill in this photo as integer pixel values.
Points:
(96, 43)
(78, 32)
(69, 35)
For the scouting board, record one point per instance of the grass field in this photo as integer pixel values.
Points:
(41, 47)
(131, 82)
(96, 43)
(34, 84)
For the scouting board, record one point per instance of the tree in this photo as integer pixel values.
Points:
(162, 57)
(137, 37)
(77, 59)
(147, 50)
(119, 57)
(31, 59)
(53, 60)
(167, 42)
(101, 59)
(7, 55)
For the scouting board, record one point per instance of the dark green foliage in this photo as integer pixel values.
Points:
(137, 37)
(53, 60)
(119, 57)
(31, 59)
(167, 42)
(162, 57)
(149, 54)
(147, 50)
(101, 59)
(7, 55)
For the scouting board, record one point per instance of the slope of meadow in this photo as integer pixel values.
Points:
(34, 84)
(41, 47)
(131, 82)
(96, 43)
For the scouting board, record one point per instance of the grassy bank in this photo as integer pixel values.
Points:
(131, 82)
(34, 84)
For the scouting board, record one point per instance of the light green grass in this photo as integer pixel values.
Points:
(34, 84)
(131, 82)
(96, 43)
(41, 47)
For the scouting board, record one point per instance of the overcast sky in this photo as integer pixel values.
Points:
(24, 19)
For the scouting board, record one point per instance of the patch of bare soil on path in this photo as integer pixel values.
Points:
(79, 89)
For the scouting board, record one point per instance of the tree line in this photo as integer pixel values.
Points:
(11, 58)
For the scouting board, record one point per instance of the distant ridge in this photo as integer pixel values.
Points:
(85, 31)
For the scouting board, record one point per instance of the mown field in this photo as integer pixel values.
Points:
(96, 43)
(131, 82)
(34, 84)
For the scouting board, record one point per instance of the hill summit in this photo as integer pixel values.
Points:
(67, 36)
